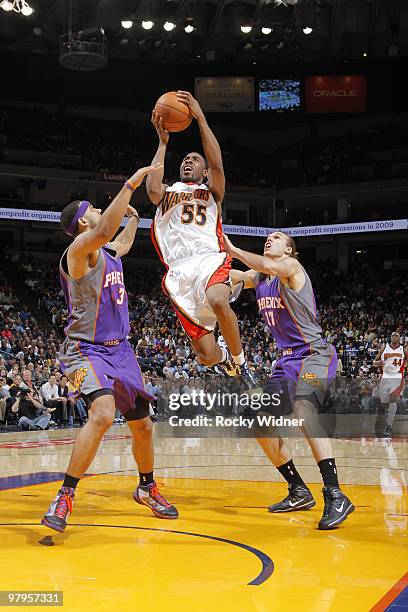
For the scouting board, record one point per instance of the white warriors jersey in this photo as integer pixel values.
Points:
(187, 223)
(393, 359)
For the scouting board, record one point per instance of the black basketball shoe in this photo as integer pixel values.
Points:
(226, 367)
(337, 507)
(248, 377)
(299, 498)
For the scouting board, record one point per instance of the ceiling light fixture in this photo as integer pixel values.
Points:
(18, 6)
(6, 6)
(147, 25)
(127, 24)
(285, 3)
(246, 29)
(266, 30)
(26, 9)
(307, 30)
(189, 28)
(169, 26)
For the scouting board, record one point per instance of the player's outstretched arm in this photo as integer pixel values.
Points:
(109, 223)
(378, 361)
(285, 268)
(211, 147)
(154, 184)
(123, 241)
(249, 278)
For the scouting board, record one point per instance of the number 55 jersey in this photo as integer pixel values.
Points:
(187, 234)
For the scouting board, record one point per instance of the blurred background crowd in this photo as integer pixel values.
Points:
(357, 310)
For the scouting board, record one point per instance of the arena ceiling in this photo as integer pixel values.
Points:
(342, 29)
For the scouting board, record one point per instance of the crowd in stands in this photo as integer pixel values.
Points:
(356, 211)
(358, 311)
(90, 144)
(33, 392)
(81, 143)
(346, 159)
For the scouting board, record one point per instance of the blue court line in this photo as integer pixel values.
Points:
(26, 480)
(267, 563)
(35, 478)
(400, 602)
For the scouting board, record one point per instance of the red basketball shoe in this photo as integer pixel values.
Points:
(58, 513)
(150, 496)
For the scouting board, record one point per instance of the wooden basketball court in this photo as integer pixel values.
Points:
(225, 552)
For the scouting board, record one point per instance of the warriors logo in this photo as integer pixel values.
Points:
(78, 377)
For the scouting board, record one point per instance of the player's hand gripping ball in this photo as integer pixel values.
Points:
(176, 115)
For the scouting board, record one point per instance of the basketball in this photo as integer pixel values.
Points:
(176, 115)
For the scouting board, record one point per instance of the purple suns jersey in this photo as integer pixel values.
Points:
(98, 302)
(290, 315)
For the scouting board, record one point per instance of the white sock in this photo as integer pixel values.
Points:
(239, 359)
(392, 409)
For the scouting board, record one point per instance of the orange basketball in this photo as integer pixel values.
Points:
(176, 115)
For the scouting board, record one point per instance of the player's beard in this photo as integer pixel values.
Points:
(187, 177)
(192, 178)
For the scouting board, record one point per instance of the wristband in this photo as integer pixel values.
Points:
(129, 185)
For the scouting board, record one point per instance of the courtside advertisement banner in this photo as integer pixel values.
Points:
(226, 94)
(320, 230)
(336, 94)
(20, 214)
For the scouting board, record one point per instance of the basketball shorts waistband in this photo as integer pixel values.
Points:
(299, 348)
(107, 343)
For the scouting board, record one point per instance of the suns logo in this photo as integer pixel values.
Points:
(311, 378)
(78, 377)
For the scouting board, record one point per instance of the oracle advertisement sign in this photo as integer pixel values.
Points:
(336, 94)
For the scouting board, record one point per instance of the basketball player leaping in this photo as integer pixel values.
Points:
(286, 301)
(392, 359)
(96, 355)
(187, 234)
